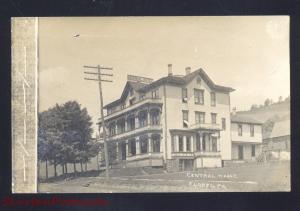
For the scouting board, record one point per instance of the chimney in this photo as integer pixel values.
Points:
(187, 70)
(170, 70)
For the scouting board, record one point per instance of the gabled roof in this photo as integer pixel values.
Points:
(281, 128)
(130, 84)
(244, 119)
(172, 80)
(182, 80)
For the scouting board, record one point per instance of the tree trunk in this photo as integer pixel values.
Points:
(81, 166)
(63, 169)
(55, 172)
(86, 166)
(46, 169)
(98, 168)
(74, 165)
(66, 166)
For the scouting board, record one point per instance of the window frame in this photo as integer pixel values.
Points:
(200, 113)
(215, 119)
(224, 123)
(213, 100)
(155, 94)
(200, 98)
(183, 119)
(240, 126)
(184, 94)
(253, 150)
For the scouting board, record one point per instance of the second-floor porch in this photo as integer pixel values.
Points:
(146, 118)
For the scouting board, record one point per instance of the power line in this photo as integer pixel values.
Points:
(100, 80)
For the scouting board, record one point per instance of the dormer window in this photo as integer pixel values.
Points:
(155, 94)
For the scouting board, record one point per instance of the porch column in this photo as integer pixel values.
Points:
(176, 143)
(149, 144)
(137, 146)
(192, 143)
(136, 118)
(116, 127)
(218, 144)
(148, 116)
(209, 142)
(126, 127)
(127, 148)
(117, 151)
(201, 140)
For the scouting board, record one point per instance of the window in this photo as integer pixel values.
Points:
(185, 118)
(214, 147)
(240, 130)
(253, 150)
(199, 80)
(188, 143)
(199, 96)
(213, 99)
(144, 146)
(112, 129)
(155, 94)
(200, 117)
(223, 123)
(184, 95)
(180, 143)
(156, 144)
(251, 130)
(132, 147)
(213, 118)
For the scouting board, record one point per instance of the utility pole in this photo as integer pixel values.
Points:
(100, 80)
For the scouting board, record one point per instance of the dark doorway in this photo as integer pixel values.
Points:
(123, 150)
(240, 152)
(186, 165)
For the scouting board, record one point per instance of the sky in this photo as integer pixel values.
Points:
(249, 54)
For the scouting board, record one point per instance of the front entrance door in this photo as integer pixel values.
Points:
(240, 152)
(189, 165)
(123, 150)
(186, 165)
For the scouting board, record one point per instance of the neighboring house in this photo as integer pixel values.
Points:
(179, 122)
(280, 137)
(246, 137)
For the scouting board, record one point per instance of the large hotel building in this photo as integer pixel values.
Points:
(176, 122)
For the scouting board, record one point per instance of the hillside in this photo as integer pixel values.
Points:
(282, 110)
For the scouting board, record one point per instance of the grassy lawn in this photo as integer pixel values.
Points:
(274, 176)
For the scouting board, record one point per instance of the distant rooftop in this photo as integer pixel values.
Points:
(281, 128)
(244, 119)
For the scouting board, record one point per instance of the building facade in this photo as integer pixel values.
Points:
(246, 136)
(179, 122)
